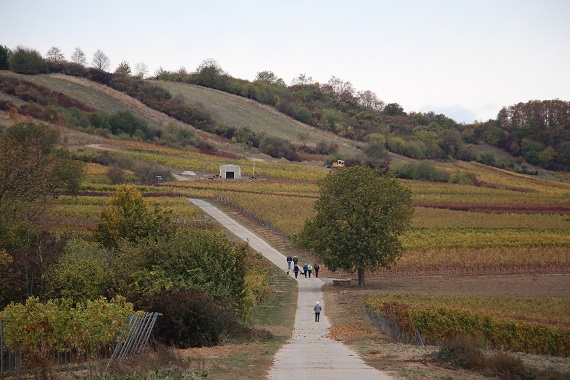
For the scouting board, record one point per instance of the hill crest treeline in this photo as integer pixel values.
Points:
(536, 132)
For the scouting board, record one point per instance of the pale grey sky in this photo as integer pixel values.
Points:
(463, 58)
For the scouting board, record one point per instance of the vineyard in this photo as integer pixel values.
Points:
(506, 324)
(511, 224)
(47, 332)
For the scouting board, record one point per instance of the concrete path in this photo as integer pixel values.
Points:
(309, 354)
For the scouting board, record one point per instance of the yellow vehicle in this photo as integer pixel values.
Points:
(338, 164)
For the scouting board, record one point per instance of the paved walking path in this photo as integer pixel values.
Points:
(309, 354)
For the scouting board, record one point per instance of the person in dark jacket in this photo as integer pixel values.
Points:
(316, 268)
(296, 270)
(317, 309)
(305, 270)
(289, 260)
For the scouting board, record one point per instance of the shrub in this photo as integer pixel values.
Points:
(116, 175)
(304, 115)
(463, 178)
(422, 171)
(126, 122)
(81, 272)
(277, 147)
(191, 318)
(461, 351)
(486, 158)
(27, 61)
(129, 217)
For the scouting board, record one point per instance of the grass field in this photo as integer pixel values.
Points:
(239, 112)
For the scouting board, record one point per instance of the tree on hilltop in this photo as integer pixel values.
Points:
(55, 55)
(27, 61)
(101, 61)
(4, 57)
(78, 57)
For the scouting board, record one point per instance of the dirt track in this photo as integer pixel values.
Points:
(536, 285)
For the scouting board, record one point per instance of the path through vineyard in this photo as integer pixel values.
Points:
(309, 353)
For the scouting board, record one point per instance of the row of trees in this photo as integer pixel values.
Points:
(25, 60)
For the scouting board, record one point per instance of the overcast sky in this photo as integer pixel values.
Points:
(463, 58)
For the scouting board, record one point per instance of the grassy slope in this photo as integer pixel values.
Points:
(229, 109)
(76, 90)
(239, 112)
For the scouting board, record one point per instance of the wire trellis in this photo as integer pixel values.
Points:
(135, 336)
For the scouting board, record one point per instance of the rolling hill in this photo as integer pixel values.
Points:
(229, 109)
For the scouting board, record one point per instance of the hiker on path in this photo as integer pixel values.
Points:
(295, 260)
(289, 260)
(310, 269)
(317, 309)
(305, 270)
(296, 270)
(316, 268)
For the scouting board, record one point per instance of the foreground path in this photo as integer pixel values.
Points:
(309, 354)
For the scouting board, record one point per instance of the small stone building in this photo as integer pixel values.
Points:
(230, 171)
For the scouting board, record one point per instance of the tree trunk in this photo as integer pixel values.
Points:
(361, 278)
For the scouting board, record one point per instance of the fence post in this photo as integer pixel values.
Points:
(2, 350)
(419, 336)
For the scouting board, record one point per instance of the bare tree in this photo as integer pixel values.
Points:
(302, 80)
(54, 54)
(78, 57)
(101, 61)
(340, 88)
(141, 70)
(368, 99)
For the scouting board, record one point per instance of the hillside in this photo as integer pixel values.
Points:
(241, 112)
(227, 109)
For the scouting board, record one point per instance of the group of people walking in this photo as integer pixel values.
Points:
(306, 270)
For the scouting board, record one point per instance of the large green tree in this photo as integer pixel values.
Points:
(360, 214)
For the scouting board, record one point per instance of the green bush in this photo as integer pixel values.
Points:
(486, 158)
(422, 171)
(81, 273)
(278, 148)
(27, 61)
(192, 318)
(463, 178)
